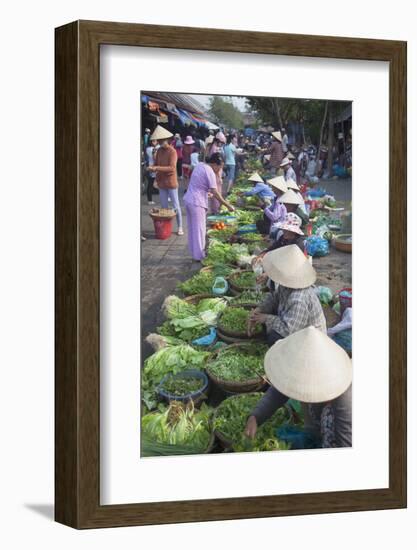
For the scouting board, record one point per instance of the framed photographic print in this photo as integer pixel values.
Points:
(230, 274)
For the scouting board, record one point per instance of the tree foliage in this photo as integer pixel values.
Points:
(279, 112)
(225, 113)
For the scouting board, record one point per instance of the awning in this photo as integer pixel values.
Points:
(211, 126)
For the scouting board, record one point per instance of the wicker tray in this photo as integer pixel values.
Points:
(250, 385)
(233, 285)
(341, 244)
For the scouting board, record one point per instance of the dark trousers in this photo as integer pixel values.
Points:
(279, 398)
(149, 187)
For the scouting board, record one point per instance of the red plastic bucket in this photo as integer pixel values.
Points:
(163, 228)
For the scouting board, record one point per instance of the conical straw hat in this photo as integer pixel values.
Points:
(278, 183)
(290, 156)
(290, 198)
(289, 267)
(285, 162)
(309, 366)
(291, 184)
(256, 177)
(277, 135)
(161, 133)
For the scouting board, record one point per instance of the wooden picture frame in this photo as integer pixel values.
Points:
(77, 371)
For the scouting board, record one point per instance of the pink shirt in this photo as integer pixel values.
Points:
(202, 180)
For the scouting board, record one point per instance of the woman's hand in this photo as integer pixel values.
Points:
(230, 207)
(151, 169)
(258, 259)
(262, 279)
(251, 427)
(257, 317)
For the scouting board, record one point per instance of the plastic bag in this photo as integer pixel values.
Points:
(316, 246)
(206, 340)
(324, 294)
(220, 286)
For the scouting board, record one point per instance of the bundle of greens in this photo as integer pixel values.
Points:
(187, 321)
(235, 319)
(182, 385)
(245, 280)
(252, 201)
(222, 270)
(253, 237)
(201, 283)
(177, 430)
(223, 253)
(176, 308)
(230, 421)
(239, 363)
(249, 297)
(158, 341)
(170, 359)
(222, 235)
(246, 217)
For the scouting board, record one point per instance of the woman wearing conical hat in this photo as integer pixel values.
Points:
(294, 304)
(165, 168)
(309, 367)
(276, 151)
(276, 211)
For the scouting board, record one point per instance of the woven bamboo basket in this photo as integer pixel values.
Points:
(342, 244)
(233, 285)
(250, 385)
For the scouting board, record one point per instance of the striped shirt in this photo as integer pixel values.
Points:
(290, 310)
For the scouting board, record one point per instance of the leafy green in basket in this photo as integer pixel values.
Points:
(230, 421)
(235, 319)
(239, 363)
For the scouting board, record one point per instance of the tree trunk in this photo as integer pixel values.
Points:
(323, 123)
(330, 140)
(275, 106)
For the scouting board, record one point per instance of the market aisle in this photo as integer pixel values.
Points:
(163, 265)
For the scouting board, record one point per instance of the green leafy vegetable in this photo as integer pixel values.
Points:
(201, 283)
(239, 363)
(235, 319)
(176, 308)
(246, 279)
(249, 297)
(181, 385)
(177, 430)
(223, 253)
(230, 421)
(171, 359)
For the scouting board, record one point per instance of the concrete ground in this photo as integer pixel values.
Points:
(165, 263)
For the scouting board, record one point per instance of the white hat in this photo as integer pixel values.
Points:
(221, 137)
(189, 140)
(290, 156)
(256, 177)
(209, 139)
(278, 183)
(309, 366)
(290, 197)
(292, 223)
(277, 135)
(147, 130)
(291, 184)
(289, 267)
(161, 133)
(285, 162)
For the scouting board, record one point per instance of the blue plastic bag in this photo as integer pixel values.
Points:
(316, 246)
(220, 286)
(206, 340)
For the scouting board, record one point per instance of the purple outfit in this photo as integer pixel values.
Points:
(276, 212)
(202, 180)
